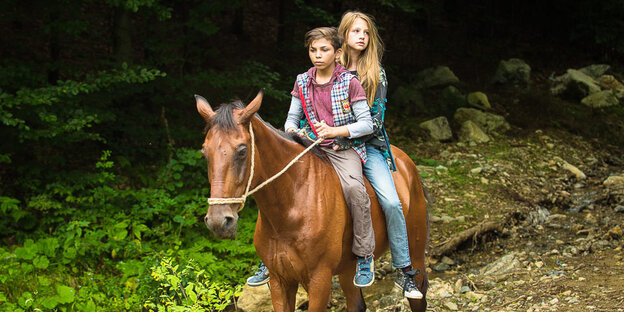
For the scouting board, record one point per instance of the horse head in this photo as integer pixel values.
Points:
(227, 149)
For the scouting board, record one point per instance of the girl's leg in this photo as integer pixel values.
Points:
(380, 177)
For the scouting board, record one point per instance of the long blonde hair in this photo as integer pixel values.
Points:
(368, 64)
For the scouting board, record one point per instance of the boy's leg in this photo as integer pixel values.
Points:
(348, 166)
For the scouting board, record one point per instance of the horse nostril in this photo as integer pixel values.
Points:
(206, 219)
(228, 222)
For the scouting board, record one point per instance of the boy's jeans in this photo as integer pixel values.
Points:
(378, 173)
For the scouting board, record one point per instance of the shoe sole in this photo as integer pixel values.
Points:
(258, 284)
(400, 289)
(365, 285)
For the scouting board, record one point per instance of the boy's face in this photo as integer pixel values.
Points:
(322, 54)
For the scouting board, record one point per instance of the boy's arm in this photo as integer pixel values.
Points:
(362, 126)
(295, 114)
(364, 123)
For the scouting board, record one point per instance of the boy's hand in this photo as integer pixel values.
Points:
(324, 131)
(298, 132)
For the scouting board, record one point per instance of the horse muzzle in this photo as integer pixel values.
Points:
(221, 221)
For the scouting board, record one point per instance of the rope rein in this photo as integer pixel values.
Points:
(241, 200)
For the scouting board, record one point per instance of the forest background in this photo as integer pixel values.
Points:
(102, 186)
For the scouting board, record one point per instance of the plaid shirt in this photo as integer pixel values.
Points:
(339, 98)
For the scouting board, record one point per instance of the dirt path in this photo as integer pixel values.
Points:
(561, 249)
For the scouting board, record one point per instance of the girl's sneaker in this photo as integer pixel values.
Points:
(405, 283)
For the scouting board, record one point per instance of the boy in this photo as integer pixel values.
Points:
(335, 109)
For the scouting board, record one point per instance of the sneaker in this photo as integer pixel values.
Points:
(261, 276)
(364, 272)
(405, 283)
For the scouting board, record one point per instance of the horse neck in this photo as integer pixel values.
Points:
(273, 153)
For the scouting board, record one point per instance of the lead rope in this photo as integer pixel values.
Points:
(242, 199)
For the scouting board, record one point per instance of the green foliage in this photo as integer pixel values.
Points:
(54, 111)
(104, 241)
(187, 288)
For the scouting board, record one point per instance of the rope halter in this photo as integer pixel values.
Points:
(241, 200)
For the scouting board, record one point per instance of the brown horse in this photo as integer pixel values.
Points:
(304, 229)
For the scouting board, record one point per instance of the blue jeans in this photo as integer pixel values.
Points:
(378, 173)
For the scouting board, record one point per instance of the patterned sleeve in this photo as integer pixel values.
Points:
(378, 109)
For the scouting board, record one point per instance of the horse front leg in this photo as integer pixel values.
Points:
(353, 295)
(283, 293)
(319, 290)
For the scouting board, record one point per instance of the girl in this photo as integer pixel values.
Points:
(362, 53)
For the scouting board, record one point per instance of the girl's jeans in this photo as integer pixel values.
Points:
(378, 173)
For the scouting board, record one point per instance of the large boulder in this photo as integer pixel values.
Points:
(440, 76)
(596, 70)
(486, 121)
(470, 132)
(603, 98)
(452, 97)
(575, 84)
(438, 128)
(408, 97)
(513, 71)
(258, 299)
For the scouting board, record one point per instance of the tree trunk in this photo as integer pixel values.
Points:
(122, 33)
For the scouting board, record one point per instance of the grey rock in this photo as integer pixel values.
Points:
(488, 122)
(465, 289)
(410, 98)
(574, 84)
(505, 264)
(514, 71)
(441, 267)
(470, 132)
(479, 100)
(438, 128)
(440, 76)
(605, 98)
(608, 82)
(619, 208)
(538, 216)
(448, 260)
(451, 305)
(452, 97)
(614, 180)
(596, 70)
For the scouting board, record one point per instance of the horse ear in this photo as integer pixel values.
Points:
(203, 107)
(252, 108)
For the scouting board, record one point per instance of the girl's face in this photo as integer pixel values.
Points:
(358, 35)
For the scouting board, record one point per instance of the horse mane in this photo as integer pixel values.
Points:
(224, 119)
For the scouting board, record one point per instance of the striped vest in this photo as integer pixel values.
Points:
(341, 104)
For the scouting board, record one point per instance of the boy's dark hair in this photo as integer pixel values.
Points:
(329, 33)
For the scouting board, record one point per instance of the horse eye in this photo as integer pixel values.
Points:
(241, 151)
